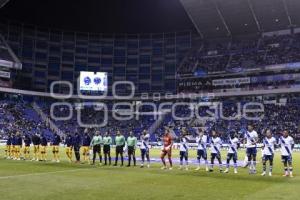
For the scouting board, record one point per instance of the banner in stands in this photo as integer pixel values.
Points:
(231, 81)
(193, 83)
(4, 74)
(272, 78)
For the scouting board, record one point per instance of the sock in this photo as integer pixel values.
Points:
(264, 167)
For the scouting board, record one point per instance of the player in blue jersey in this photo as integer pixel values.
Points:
(202, 141)
(145, 137)
(86, 141)
(8, 149)
(56, 140)
(233, 143)
(43, 149)
(268, 151)
(69, 147)
(26, 150)
(184, 150)
(215, 148)
(250, 141)
(286, 143)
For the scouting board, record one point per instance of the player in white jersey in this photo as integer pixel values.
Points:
(202, 141)
(234, 143)
(145, 137)
(215, 147)
(269, 143)
(286, 143)
(184, 150)
(251, 138)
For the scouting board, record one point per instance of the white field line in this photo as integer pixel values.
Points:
(43, 173)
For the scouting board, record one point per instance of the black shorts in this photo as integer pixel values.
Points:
(286, 159)
(267, 157)
(144, 152)
(184, 154)
(202, 154)
(232, 156)
(215, 155)
(106, 149)
(97, 148)
(119, 149)
(251, 151)
(131, 150)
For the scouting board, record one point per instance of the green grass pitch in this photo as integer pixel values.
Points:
(48, 181)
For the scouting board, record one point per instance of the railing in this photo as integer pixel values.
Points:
(47, 120)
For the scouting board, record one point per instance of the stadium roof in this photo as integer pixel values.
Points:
(211, 18)
(218, 18)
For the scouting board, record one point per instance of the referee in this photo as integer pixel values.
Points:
(131, 143)
(107, 141)
(120, 143)
(96, 145)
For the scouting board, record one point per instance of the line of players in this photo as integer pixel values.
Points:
(212, 141)
(250, 141)
(16, 144)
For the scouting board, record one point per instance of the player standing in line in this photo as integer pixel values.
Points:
(202, 141)
(167, 149)
(107, 141)
(96, 146)
(77, 143)
(232, 152)
(69, 147)
(145, 137)
(36, 141)
(120, 143)
(269, 143)
(26, 150)
(18, 145)
(86, 141)
(287, 145)
(13, 142)
(43, 148)
(56, 140)
(215, 144)
(251, 139)
(131, 144)
(184, 151)
(8, 147)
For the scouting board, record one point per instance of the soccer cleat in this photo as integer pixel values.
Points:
(263, 174)
(285, 175)
(186, 169)
(291, 176)
(148, 166)
(180, 168)
(211, 170)
(235, 171)
(206, 169)
(226, 170)
(58, 161)
(142, 166)
(163, 167)
(270, 173)
(197, 169)
(170, 168)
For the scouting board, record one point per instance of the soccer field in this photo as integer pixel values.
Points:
(38, 180)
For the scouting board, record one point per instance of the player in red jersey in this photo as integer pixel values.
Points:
(167, 149)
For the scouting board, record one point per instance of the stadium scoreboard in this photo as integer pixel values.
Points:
(90, 81)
